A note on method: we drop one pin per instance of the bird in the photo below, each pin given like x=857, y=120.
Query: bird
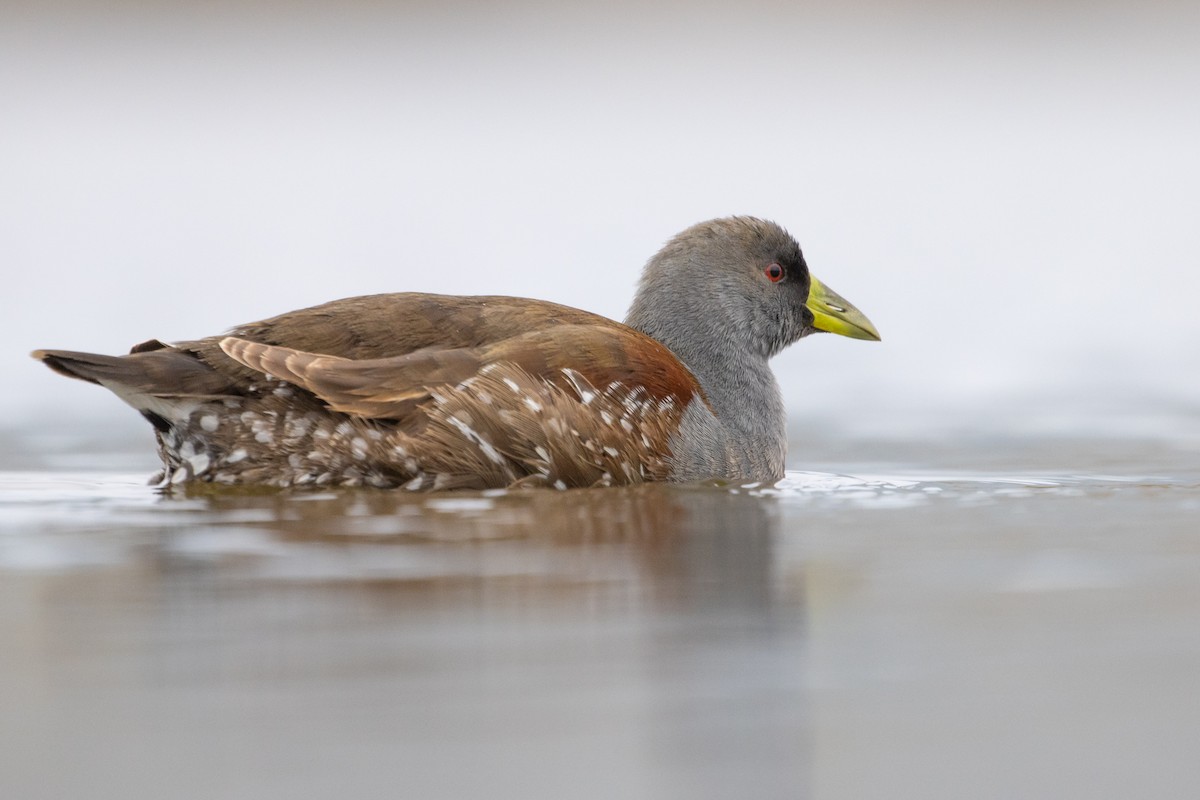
x=436, y=392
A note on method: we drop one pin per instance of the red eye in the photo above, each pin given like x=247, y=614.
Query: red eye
x=774, y=273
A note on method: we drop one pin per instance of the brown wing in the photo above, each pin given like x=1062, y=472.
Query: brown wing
x=369, y=327
x=391, y=388
x=387, y=325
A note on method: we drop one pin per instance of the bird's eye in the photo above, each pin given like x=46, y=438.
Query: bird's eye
x=774, y=273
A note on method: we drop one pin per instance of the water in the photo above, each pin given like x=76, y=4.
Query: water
x=888, y=623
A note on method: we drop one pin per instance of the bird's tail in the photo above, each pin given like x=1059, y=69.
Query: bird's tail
x=90, y=367
x=151, y=369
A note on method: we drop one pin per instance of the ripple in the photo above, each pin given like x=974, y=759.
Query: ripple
x=892, y=490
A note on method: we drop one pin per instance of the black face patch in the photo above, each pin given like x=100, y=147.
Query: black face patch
x=792, y=261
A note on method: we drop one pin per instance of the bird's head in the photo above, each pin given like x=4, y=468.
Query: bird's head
x=738, y=282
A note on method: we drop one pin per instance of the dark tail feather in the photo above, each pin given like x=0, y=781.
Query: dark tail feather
x=159, y=372
x=91, y=367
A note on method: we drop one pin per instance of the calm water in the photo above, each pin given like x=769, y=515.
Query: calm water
x=984, y=619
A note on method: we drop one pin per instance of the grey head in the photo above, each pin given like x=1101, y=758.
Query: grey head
x=707, y=292
x=725, y=296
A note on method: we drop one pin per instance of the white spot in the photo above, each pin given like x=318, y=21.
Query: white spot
x=626, y=424
x=236, y=456
x=484, y=445
x=532, y=404
x=199, y=463
x=210, y=422
x=265, y=436
x=179, y=475
x=558, y=484
x=358, y=447
x=441, y=481
x=344, y=428
x=606, y=417
x=586, y=393
x=283, y=391
x=612, y=451
x=511, y=384
x=541, y=452
x=295, y=427
x=415, y=483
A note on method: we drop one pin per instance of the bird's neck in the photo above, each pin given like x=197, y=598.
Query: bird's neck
x=735, y=376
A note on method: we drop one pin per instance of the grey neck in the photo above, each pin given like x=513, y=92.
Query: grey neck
x=735, y=376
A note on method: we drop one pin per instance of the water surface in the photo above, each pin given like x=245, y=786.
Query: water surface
x=896, y=621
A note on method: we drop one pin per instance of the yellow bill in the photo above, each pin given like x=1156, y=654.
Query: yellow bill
x=835, y=314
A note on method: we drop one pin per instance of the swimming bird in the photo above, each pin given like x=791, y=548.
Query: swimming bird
x=426, y=391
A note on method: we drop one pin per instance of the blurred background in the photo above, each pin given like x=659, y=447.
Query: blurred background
x=1011, y=192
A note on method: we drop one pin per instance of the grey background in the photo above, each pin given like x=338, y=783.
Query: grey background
x=1009, y=193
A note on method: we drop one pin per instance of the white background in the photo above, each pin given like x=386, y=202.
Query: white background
x=1012, y=194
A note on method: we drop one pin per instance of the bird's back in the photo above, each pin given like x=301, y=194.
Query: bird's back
x=323, y=391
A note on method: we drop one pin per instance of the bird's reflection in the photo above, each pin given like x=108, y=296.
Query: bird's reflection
x=650, y=625
x=671, y=593
x=692, y=545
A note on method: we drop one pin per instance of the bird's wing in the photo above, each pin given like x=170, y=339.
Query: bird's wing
x=387, y=325
x=393, y=387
